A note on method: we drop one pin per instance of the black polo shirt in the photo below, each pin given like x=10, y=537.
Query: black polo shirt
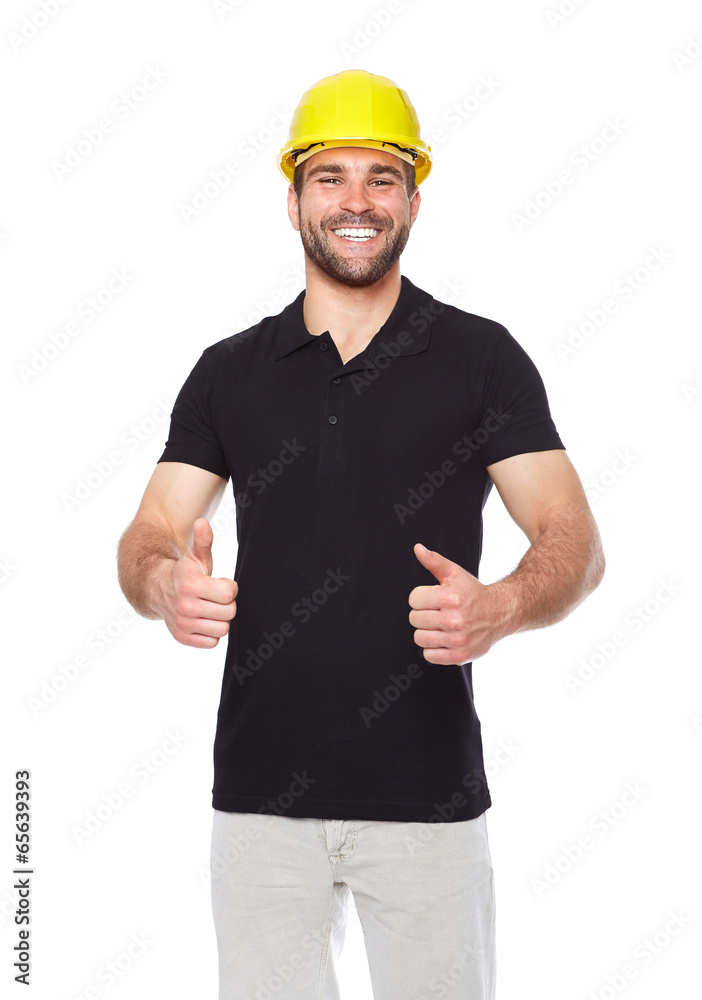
x=328, y=708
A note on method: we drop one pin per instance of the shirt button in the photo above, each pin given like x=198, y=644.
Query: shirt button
x=332, y=419
x=337, y=379
x=323, y=346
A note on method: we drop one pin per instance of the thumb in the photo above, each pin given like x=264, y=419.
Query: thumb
x=438, y=565
x=201, y=548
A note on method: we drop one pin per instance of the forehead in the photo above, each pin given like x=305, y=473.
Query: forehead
x=353, y=159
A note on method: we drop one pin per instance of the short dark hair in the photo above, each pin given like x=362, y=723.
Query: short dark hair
x=409, y=171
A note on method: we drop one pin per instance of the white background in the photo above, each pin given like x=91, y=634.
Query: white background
x=629, y=386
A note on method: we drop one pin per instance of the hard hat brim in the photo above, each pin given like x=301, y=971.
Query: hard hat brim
x=422, y=161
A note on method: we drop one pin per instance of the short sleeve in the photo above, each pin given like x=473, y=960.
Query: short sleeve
x=192, y=437
x=515, y=415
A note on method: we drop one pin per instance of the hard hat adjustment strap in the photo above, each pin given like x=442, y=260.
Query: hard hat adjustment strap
x=294, y=153
x=405, y=149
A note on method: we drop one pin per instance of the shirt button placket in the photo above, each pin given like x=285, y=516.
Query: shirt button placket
x=330, y=431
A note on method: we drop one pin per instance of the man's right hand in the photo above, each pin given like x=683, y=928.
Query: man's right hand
x=196, y=608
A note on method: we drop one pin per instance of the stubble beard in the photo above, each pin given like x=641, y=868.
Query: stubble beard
x=355, y=272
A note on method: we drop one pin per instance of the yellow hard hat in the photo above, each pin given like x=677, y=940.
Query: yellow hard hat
x=355, y=108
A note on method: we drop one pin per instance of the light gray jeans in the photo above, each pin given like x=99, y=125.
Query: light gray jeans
x=423, y=892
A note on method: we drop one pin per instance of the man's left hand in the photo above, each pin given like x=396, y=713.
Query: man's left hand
x=456, y=620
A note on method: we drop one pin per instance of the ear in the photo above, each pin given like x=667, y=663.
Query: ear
x=415, y=202
x=293, y=208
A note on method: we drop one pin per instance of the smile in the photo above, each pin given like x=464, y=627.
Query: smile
x=356, y=235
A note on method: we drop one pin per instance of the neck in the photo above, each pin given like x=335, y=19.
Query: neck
x=352, y=316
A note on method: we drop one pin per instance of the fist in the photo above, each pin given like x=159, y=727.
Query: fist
x=198, y=608
x=455, y=619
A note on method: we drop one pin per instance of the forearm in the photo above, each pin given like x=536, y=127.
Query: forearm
x=143, y=555
x=558, y=571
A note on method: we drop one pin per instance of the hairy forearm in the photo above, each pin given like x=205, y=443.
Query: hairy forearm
x=561, y=567
x=143, y=551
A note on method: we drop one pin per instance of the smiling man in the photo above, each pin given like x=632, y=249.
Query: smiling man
x=377, y=232
x=363, y=429
x=352, y=241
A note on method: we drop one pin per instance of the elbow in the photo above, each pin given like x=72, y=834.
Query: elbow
x=600, y=567
x=590, y=557
x=598, y=563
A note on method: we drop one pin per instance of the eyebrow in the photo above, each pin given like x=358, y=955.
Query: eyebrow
x=338, y=168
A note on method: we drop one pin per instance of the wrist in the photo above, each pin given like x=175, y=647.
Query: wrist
x=161, y=584
x=506, y=611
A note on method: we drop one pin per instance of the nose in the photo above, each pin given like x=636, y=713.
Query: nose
x=356, y=197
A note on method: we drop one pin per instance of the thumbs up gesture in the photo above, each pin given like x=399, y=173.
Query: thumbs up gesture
x=196, y=608
x=456, y=620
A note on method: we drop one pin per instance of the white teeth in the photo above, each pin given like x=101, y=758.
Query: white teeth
x=356, y=233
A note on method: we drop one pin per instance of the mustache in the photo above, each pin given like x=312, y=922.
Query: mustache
x=359, y=225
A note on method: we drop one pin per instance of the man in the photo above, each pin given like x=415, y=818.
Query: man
x=363, y=428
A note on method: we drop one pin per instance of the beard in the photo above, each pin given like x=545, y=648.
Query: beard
x=356, y=272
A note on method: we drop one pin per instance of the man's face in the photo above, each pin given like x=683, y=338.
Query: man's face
x=349, y=188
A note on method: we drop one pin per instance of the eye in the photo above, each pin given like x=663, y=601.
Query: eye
x=325, y=180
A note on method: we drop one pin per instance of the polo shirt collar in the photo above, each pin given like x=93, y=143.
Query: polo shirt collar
x=405, y=318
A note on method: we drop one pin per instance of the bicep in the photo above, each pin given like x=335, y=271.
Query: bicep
x=176, y=495
x=535, y=485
